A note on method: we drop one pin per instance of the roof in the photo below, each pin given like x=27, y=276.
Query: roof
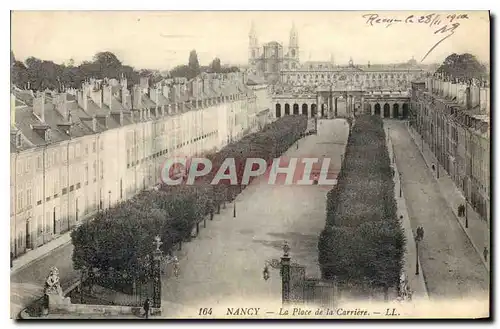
x=254, y=80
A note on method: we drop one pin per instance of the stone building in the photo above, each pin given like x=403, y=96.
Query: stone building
x=323, y=89
x=81, y=151
x=270, y=58
x=453, y=117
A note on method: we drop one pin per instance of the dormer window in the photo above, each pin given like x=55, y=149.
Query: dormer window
x=47, y=135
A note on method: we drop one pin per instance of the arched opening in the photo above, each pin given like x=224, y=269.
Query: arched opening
x=313, y=110
x=405, y=111
x=377, y=109
x=322, y=110
x=278, y=110
x=296, y=109
x=395, y=110
x=287, y=109
x=368, y=108
x=387, y=110
x=304, y=109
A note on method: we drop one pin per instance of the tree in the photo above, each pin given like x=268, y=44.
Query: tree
x=108, y=65
x=193, y=64
x=180, y=71
x=463, y=66
x=215, y=66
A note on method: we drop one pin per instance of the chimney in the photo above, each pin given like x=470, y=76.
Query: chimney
x=468, y=98
x=118, y=117
x=60, y=102
x=108, y=96
x=136, y=97
x=39, y=106
x=12, y=111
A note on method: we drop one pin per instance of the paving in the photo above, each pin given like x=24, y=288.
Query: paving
x=416, y=282
x=477, y=228
x=26, y=284
x=223, y=266
x=451, y=266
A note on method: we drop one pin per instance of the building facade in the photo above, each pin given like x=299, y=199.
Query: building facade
x=270, y=58
x=322, y=89
x=453, y=118
x=81, y=151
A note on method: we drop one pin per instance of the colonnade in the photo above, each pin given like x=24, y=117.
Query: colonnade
x=390, y=109
x=340, y=106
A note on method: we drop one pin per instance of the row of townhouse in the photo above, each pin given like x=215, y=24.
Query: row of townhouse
x=454, y=119
x=81, y=151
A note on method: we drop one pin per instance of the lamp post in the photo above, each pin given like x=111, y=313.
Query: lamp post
x=284, y=266
x=234, y=209
x=400, y=184
x=466, y=189
x=109, y=199
x=419, y=237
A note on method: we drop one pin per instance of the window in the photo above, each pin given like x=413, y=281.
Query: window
x=19, y=140
x=86, y=149
x=86, y=177
x=19, y=200
x=64, y=183
x=28, y=165
x=94, y=169
x=64, y=156
x=94, y=147
x=102, y=169
x=39, y=162
x=102, y=145
x=20, y=167
x=29, y=197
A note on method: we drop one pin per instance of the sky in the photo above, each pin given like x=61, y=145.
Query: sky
x=163, y=39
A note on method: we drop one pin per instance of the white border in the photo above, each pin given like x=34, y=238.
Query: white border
x=180, y=5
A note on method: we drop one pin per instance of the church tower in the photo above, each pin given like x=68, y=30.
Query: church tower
x=253, y=46
x=293, y=45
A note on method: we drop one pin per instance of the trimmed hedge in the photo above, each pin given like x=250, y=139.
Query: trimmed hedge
x=119, y=240
x=363, y=242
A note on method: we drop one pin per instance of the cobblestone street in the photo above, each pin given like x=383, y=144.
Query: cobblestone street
x=451, y=266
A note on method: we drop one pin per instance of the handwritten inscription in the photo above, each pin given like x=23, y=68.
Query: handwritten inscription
x=442, y=24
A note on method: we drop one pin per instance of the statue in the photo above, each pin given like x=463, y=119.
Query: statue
x=52, y=284
x=54, y=298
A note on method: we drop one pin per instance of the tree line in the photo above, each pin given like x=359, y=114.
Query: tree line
x=363, y=243
x=37, y=74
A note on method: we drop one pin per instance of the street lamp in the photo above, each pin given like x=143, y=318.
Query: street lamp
x=234, y=209
x=400, y=184
x=284, y=266
x=419, y=237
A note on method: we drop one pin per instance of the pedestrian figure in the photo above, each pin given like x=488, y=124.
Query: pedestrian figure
x=401, y=217
x=176, y=266
x=485, y=254
x=11, y=259
x=461, y=210
x=433, y=167
x=147, y=304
